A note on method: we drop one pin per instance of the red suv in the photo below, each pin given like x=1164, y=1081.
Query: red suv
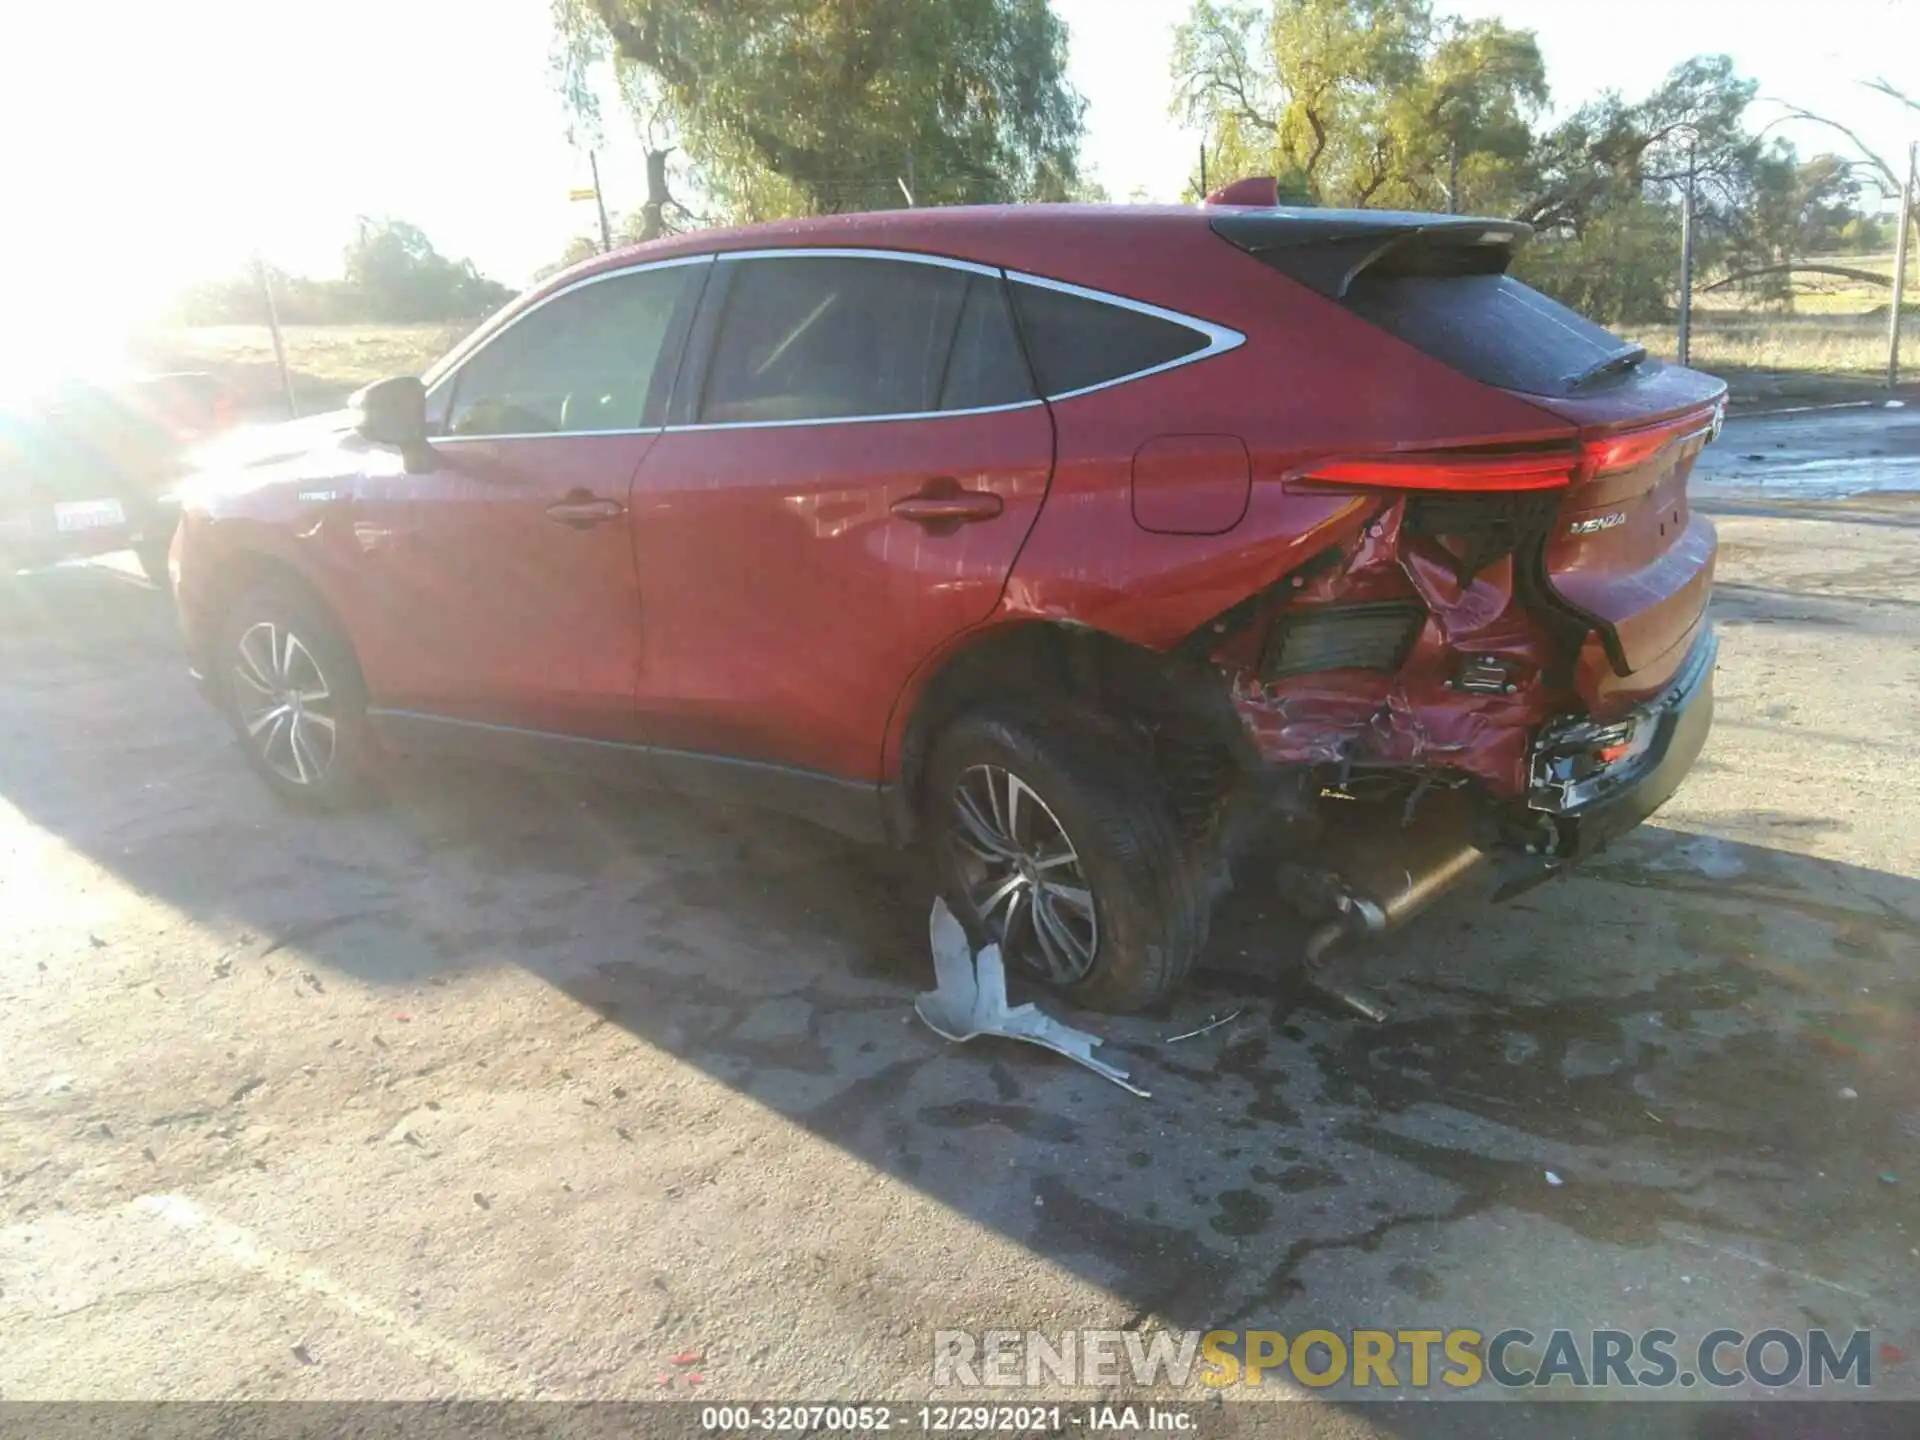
x=1073, y=543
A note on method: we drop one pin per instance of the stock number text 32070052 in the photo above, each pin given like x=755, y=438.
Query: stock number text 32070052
x=912, y=1419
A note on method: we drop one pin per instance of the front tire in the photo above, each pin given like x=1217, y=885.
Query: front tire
x=295, y=698
x=153, y=564
x=1052, y=838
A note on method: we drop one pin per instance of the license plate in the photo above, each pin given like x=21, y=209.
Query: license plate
x=70, y=516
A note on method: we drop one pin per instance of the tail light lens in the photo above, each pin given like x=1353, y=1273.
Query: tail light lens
x=1546, y=468
x=1458, y=471
x=1636, y=447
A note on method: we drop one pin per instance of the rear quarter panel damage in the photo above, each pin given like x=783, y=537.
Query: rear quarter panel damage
x=1311, y=382
x=1410, y=718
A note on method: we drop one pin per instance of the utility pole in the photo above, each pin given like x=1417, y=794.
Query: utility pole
x=599, y=201
x=1203, y=170
x=1900, y=267
x=273, y=327
x=1686, y=258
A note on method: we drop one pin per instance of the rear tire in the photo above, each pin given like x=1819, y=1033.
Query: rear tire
x=1050, y=836
x=294, y=695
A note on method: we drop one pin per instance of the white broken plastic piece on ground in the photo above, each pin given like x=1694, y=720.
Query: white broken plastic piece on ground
x=1211, y=1025
x=970, y=1000
x=1554, y=1180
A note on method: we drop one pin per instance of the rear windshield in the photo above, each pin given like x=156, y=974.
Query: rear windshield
x=1490, y=328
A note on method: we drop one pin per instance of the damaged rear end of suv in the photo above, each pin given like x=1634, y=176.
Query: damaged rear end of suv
x=1403, y=589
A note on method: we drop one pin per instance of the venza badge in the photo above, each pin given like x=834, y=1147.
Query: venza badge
x=1597, y=524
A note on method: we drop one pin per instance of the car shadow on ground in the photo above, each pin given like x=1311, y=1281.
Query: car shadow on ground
x=1646, y=1057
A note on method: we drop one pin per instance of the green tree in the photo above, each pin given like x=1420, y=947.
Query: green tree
x=813, y=106
x=392, y=273
x=398, y=275
x=580, y=247
x=1603, y=192
x=1620, y=266
x=1608, y=149
x=1378, y=103
x=1359, y=102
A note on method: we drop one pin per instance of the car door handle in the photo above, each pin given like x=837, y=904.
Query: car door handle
x=945, y=503
x=583, y=511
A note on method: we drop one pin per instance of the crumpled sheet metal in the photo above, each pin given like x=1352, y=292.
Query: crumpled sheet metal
x=971, y=1000
x=1412, y=718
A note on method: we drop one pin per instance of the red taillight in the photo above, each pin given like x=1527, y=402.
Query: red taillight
x=1548, y=468
x=1636, y=447
x=1432, y=470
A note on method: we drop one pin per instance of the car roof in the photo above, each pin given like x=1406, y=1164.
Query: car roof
x=935, y=230
x=1014, y=235
x=1035, y=239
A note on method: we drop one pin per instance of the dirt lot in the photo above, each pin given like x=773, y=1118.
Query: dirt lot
x=512, y=1089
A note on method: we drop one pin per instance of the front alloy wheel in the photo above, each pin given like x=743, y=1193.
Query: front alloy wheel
x=285, y=704
x=1023, y=875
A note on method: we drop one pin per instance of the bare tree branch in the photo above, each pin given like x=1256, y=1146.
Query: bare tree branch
x=1865, y=277
x=1892, y=92
x=1892, y=185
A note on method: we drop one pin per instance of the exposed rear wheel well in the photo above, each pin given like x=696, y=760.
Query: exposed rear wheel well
x=1175, y=709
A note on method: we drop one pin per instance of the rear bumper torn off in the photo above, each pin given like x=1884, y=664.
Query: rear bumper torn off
x=1592, y=782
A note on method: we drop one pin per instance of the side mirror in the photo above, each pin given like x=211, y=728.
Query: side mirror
x=392, y=412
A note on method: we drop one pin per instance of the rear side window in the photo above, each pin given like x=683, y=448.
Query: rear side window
x=986, y=367
x=841, y=338
x=588, y=360
x=1078, y=342
x=1490, y=328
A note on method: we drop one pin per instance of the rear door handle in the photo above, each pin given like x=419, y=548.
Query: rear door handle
x=944, y=503
x=584, y=511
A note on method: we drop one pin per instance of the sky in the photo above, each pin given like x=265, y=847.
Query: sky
x=148, y=144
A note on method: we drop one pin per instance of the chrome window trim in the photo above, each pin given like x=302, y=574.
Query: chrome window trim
x=848, y=252
x=909, y=257
x=853, y=419
x=1220, y=338
x=438, y=440
x=457, y=360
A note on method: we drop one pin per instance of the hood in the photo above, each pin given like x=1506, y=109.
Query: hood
x=272, y=444
x=313, y=451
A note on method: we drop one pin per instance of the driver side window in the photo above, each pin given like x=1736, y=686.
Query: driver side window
x=587, y=360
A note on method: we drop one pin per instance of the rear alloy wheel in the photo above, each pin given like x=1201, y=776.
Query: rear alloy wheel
x=1052, y=839
x=295, y=698
x=1023, y=876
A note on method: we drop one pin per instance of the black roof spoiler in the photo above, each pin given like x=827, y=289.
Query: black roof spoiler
x=1328, y=249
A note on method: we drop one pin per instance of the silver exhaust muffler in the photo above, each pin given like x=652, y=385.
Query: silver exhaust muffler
x=1384, y=873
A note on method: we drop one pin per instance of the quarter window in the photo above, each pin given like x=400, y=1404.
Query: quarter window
x=591, y=359
x=836, y=337
x=986, y=367
x=1077, y=342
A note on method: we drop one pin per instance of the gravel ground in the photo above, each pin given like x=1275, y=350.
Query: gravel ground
x=511, y=1088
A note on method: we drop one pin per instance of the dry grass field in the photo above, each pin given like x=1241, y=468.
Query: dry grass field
x=328, y=361
x=1835, y=344
x=1837, y=326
